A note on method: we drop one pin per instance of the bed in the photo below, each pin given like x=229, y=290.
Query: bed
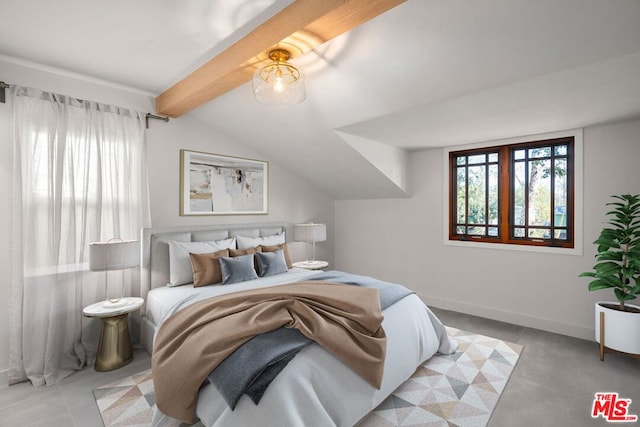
x=315, y=387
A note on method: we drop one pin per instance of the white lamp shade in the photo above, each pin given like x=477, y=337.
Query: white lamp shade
x=114, y=255
x=310, y=232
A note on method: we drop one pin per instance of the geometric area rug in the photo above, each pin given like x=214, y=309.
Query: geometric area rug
x=129, y=402
x=460, y=389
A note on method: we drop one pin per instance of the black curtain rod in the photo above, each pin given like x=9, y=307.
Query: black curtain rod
x=153, y=116
x=3, y=98
x=3, y=86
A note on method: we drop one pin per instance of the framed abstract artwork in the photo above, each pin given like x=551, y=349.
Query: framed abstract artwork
x=211, y=184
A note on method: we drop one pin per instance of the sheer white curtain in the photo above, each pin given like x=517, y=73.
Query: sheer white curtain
x=79, y=176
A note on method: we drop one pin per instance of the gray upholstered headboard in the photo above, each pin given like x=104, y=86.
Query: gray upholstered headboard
x=154, y=270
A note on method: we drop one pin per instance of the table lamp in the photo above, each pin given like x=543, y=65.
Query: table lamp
x=310, y=233
x=116, y=254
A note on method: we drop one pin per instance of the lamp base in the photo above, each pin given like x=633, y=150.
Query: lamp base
x=311, y=265
x=114, y=304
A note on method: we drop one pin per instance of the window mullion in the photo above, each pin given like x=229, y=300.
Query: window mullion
x=570, y=193
x=526, y=194
x=505, y=195
x=453, y=196
x=466, y=197
x=486, y=198
x=552, y=184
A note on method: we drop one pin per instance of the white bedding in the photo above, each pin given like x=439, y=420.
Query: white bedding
x=315, y=389
x=165, y=299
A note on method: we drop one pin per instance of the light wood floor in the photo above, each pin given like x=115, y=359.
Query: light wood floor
x=553, y=384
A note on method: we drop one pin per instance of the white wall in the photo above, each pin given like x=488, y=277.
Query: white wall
x=531, y=289
x=291, y=199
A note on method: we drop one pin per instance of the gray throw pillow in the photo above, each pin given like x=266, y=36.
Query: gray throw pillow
x=270, y=263
x=237, y=269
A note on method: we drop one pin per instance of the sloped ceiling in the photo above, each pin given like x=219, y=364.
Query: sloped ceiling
x=428, y=73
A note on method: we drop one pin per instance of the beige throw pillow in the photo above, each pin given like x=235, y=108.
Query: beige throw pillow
x=240, y=252
x=206, y=268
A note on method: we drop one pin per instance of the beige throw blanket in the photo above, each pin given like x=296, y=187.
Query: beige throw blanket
x=345, y=320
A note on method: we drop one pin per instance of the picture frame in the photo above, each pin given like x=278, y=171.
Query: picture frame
x=214, y=184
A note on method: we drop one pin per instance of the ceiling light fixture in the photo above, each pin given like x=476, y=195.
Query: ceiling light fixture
x=279, y=82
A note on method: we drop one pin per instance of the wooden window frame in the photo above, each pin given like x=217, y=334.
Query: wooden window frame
x=506, y=195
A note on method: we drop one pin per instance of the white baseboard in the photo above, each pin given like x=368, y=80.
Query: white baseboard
x=513, y=318
x=4, y=378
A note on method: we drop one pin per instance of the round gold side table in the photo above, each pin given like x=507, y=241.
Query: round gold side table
x=114, y=347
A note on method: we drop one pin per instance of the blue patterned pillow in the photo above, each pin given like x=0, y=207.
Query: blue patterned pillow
x=237, y=269
x=270, y=263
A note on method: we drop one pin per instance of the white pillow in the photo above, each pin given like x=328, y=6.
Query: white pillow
x=252, y=242
x=180, y=271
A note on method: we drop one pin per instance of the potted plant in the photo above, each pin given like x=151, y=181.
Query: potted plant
x=618, y=268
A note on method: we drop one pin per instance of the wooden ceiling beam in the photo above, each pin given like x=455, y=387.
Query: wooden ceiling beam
x=303, y=25
x=348, y=16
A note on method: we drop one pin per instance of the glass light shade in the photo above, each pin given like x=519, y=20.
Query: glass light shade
x=279, y=82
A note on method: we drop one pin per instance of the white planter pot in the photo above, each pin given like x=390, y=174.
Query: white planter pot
x=621, y=328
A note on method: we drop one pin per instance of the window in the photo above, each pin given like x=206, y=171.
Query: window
x=82, y=177
x=521, y=194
